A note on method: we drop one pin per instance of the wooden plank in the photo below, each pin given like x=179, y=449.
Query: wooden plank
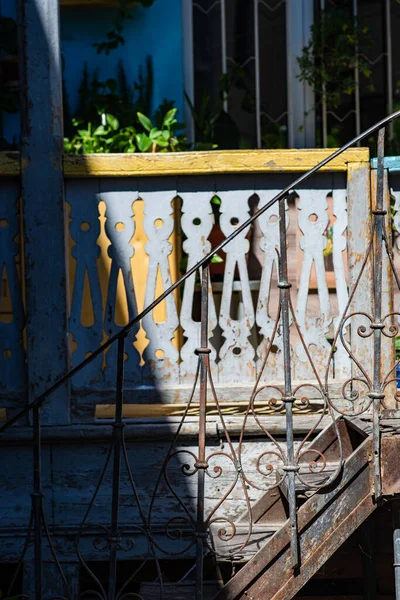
x=3, y=415
x=201, y=163
x=358, y=238
x=137, y=411
x=10, y=165
x=43, y=204
x=324, y=522
x=193, y=163
x=164, y=428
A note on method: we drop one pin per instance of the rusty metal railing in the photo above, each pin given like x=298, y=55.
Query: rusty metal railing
x=192, y=528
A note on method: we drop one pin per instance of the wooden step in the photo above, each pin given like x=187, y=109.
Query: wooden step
x=325, y=521
x=231, y=549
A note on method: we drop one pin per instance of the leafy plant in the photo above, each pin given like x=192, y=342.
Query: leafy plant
x=397, y=347
x=164, y=139
x=109, y=136
x=327, y=63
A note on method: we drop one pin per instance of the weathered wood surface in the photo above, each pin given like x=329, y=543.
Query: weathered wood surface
x=191, y=163
x=324, y=521
x=42, y=185
x=235, y=310
x=12, y=313
x=71, y=472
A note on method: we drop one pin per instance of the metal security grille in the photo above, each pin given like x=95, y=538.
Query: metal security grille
x=247, y=41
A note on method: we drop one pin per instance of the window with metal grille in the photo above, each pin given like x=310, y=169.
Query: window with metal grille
x=246, y=40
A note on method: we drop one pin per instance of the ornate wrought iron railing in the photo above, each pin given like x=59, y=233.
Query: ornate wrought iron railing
x=194, y=528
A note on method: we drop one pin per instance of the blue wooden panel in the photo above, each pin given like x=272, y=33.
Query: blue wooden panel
x=391, y=162
x=12, y=355
x=43, y=205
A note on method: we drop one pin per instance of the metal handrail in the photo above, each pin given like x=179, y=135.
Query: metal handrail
x=203, y=261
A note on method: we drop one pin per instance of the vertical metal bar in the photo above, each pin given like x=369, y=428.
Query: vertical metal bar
x=396, y=544
x=289, y=74
x=188, y=65
x=324, y=108
x=389, y=63
x=37, y=503
x=379, y=215
x=201, y=463
x=284, y=287
x=357, y=78
x=257, y=72
x=223, y=47
x=118, y=425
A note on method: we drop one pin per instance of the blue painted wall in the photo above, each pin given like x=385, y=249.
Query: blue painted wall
x=155, y=31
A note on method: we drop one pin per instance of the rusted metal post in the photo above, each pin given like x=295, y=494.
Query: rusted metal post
x=114, y=538
x=377, y=325
x=37, y=505
x=290, y=467
x=396, y=545
x=201, y=463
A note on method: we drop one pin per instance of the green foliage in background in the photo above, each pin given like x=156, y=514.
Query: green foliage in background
x=327, y=63
x=112, y=117
x=114, y=37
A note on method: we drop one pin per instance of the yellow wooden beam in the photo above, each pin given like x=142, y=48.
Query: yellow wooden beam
x=193, y=163
x=106, y=3
x=202, y=163
x=141, y=411
x=10, y=164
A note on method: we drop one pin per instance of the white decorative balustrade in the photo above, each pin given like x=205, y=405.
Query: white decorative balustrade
x=181, y=223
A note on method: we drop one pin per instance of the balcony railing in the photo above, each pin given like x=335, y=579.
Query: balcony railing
x=297, y=319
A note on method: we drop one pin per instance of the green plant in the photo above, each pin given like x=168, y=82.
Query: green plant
x=397, y=347
x=109, y=136
x=164, y=139
x=328, y=62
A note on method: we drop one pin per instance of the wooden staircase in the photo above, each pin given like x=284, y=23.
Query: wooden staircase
x=325, y=520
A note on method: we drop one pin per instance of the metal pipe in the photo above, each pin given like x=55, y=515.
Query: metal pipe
x=389, y=62
x=377, y=394
x=114, y=538
x=188, y=65
x=201, y=463
x=223, y=48
x=238, y=230
x=257, y=73
x=356, y=78
x=37, y=504
x=324, y=108
x=290, y=467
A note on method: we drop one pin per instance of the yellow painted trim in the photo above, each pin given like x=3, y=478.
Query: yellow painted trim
x=84, y=3
x=141, y=411
x=10, y=164
x=193, y=163
x=203, y=163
